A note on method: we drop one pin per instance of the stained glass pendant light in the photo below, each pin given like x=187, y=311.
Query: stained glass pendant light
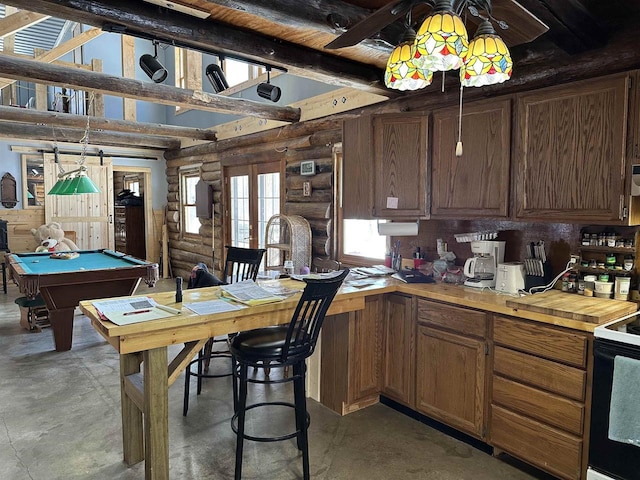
x=401, y=73
x=489, y=61
x=442, y=42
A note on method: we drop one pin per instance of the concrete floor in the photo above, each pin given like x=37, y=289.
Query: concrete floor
x=60, y=419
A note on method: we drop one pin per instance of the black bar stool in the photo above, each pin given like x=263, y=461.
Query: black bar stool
x=240, y=264
x=283, y=346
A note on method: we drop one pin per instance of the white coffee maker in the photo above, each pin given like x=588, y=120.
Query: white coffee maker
x=482, y=267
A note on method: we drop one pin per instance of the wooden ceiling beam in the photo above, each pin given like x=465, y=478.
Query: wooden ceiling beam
x=75, y=135
x=24, y=115
x=143, y=18
x=571, y=27
x=12, y=24
x=38, y=72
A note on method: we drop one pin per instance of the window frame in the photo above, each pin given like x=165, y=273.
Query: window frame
x=338, y=218
x=185, y=173
x=187, y=72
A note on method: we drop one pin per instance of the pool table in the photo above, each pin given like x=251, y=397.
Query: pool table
x=64, y=283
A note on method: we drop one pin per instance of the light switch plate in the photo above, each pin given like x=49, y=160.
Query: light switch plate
x=392, y=203
x=306, y=189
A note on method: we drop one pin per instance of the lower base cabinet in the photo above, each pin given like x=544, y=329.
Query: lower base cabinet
x=451, y=353
x=539, y=395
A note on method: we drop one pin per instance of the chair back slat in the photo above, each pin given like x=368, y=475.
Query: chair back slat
x=242, y=263
x=309, y=314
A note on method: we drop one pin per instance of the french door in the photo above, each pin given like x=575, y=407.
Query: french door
x=253, y=196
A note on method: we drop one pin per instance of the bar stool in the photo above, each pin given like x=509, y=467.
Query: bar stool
x=240, y=264
x=282, y=346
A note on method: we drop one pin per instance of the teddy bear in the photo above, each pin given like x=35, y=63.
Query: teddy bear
x=50, y=238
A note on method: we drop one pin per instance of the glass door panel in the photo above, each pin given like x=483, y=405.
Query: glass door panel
x=240, y=221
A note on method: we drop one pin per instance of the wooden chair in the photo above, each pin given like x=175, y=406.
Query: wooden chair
x=240, y=264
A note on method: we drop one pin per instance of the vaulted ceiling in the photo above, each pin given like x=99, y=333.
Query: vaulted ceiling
x=545, y=36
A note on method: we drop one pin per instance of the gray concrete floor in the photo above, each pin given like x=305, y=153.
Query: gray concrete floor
x=60, y=419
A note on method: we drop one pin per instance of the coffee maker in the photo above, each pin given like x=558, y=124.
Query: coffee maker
x=482, y=267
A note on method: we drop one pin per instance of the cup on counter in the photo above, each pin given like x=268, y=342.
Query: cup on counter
x=387, y=260
x=603, y=289
x=417, y=262
x=623, y=285
x=589, y=285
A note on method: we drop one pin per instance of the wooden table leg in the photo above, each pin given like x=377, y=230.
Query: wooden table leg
x=132, y=435
x=62, y=325
x=156, y=413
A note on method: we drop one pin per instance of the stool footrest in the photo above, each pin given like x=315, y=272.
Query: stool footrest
x=234, y=423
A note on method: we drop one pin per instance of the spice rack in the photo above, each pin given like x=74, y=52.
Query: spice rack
x=604, y=259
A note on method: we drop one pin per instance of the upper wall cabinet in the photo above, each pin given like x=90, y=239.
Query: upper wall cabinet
x=401, y=188
x=569, y=156
x=357, y=168
x=477, y=183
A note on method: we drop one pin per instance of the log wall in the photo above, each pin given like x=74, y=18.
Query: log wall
x=311, y=141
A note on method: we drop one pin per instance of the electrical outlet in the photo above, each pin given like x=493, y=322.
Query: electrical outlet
x=574, y=259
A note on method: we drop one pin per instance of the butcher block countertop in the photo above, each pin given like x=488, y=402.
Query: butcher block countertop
x=554, y=307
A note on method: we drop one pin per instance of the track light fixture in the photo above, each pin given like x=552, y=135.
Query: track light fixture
x=216, y=77
x=152, y=67
x=268, y=91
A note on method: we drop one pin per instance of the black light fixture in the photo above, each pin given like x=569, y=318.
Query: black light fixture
x=216, y=77
x=268, y=91
x=152, y=67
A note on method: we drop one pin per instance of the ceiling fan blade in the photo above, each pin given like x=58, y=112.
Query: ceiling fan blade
x=371, y=24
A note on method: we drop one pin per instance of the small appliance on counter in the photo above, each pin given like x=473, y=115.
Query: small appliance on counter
x=482, y=267
x=510, y=277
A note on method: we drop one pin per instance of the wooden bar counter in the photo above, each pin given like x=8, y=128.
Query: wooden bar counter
x=146, y=372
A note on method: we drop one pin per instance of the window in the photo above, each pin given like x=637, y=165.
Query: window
x=253, y=193
x=358, y=242
x=132, y=183
x=237, y=72
x=190, y=221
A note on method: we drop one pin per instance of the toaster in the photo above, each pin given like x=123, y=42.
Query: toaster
x=510, y=277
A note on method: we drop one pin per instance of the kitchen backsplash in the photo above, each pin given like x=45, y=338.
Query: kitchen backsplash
x=560, y=239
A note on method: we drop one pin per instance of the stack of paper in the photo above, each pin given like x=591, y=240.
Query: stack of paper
x=249, y=293
x=123, y=311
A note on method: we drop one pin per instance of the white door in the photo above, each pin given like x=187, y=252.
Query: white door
x=90, y=215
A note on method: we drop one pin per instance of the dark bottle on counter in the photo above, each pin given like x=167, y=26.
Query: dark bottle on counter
x=178, y=289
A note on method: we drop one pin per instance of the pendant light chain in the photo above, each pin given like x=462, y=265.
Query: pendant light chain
x=85, y=137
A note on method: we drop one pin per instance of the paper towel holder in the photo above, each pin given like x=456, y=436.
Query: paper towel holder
x=398, y=229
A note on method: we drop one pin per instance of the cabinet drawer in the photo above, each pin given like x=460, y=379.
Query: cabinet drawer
x=551, y=376
x=546, y=407
x=463, y=320
x=548, y=342
x=548, y=448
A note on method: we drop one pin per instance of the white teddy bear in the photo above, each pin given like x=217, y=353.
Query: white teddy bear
x=51, y=238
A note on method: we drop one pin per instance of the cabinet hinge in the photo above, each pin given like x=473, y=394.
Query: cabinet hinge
x=484, y=432
x=486, y=349
x=622, y=212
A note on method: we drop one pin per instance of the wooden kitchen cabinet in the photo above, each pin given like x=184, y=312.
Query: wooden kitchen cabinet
x=401, y=183
x=357, y=168
x=398, y=358
x=569, y=154
x=350, y=358
x=539, y=395
x=451, y=353
x=477, y=183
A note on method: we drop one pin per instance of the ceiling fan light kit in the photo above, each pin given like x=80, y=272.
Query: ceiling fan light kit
x=441, y=44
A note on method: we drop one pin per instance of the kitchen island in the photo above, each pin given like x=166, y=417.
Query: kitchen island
x=370, y=347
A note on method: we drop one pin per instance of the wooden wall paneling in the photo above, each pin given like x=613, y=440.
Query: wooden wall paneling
x=19, y=225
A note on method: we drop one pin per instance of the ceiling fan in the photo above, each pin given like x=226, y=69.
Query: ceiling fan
x=527, y=26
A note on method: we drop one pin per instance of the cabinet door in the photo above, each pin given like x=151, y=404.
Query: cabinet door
x=357, y=169
x=398, y=354
x=450, y=381
x=364, y=350
x=400, y=157
x=477, y=183
x=570, y=152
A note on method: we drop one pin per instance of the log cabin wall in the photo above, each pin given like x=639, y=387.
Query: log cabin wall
x=291, y=145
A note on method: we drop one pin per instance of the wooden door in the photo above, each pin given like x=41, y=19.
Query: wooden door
x=398, y=352
x=477, y=183
x=89, y=215
x=570, y=161
x=450, y=380
x=400, y=159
